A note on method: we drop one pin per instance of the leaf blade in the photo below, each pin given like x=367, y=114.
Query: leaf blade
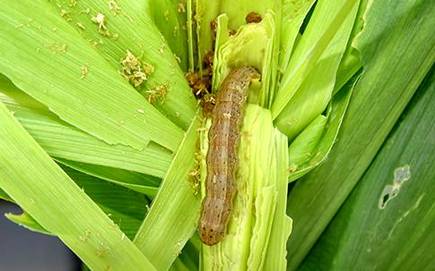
x=38, y=185
x=100, y=103
x=385, y=81
x=373, y=228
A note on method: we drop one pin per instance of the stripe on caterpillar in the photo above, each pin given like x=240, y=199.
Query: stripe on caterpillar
x=224, y=137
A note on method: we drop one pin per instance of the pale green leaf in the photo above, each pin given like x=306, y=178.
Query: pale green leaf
x=4, y=196
x=63, y=141
x=302, y=148
x=253, y=45
x=351, y=61
x=293, y=14
x=320, y=152
x=129, y=25
x=26, y=221
x=207, y=11
x=99, y=101
x=315, y=40
x=191, y=41
x=42, y=189
x=124, y=207
x=170, y=17
x=138, y=182
x=174, y=213
x=315, y=93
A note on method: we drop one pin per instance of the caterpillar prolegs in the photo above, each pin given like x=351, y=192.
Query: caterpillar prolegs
x=222, y=162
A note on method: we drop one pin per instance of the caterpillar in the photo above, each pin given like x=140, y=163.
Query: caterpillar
x=222, y=162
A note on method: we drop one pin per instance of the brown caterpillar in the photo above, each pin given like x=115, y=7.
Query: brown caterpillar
x=224, y=134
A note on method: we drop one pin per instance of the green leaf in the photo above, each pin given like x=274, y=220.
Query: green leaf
x=293, y=14
x=351, y=61
x=253, y=45
x=316, y=39
x=4, y=196
x=191, y=38
x=170, y=17
x=389, y=217
x=302, y=148
x=42, y=189
x=101, y=103
x=185, y=261
x=174, y=213
x=315, y=93
x=124, y=207
x=63, y=141
x=207, y=11
x=138, y=182
x=396, y=46
x=316, y=152
x=26, y=221
x=129, y=26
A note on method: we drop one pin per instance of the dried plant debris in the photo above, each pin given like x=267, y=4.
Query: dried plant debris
x=253, y=17
x=84, y=71
x=80, y=26
x=57, y=48
x=66, y=15
x=157, y=93
x=181, y=7
x=135, y=70
x=201, y=84
x=213, y=28
x=207, y=103
x=208, y=61
x=114, y=7
x=100, y=20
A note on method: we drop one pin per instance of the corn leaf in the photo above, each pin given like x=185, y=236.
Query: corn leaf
x=207, y=11
x=99, y=101
x=138, y=182
x=351, y=61
x=26, y=221
x=115, y=27
x=124, y=207
x=253, y=45
x=302, y=148
x=275, y=258
x=391, y=40
x=315, y=93
x=174, y=213
x=191, y=38
x=170, y=17
x=188, y=259
x=306, y=152
x=311, y=48
x=293, y=15
x=390, y=216
x=4, y=196
x=66, y=142
x=41, y=188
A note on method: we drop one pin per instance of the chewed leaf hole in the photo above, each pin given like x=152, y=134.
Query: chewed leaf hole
x=401, y=175
x=386, y=196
